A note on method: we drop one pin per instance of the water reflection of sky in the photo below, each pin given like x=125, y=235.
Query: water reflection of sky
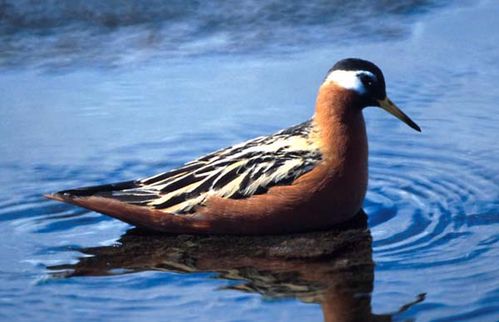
x=188, y=79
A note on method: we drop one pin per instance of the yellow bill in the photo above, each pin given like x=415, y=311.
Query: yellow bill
x=391, y=108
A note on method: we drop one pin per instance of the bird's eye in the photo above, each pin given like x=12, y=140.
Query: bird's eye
x=367, y=81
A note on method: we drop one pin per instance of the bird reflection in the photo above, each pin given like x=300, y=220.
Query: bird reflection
x=333, y=268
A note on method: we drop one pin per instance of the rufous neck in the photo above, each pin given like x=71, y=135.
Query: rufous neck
x=338, y=118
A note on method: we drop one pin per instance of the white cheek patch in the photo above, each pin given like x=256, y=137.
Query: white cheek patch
x=349, y=79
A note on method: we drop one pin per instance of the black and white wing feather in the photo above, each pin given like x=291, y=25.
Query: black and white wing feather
x=239, y=171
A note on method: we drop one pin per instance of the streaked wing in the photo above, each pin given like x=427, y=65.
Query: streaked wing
x=235, y=172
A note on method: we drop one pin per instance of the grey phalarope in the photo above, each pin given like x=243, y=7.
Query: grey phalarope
x=307, y=177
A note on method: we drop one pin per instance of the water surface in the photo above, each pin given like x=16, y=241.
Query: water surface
x=93, y=93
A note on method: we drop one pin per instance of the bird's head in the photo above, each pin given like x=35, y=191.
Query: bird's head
x=365, y=80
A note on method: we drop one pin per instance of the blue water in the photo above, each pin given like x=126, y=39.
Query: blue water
x=94, y=92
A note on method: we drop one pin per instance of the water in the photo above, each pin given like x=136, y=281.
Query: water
x=94, y=93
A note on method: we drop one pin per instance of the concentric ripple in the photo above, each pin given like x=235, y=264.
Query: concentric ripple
x=422, y=202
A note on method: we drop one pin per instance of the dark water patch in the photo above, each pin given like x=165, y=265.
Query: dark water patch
x=483, y=219
x=100, y=34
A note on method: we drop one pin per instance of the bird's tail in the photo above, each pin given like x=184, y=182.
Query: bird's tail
x=112, y=200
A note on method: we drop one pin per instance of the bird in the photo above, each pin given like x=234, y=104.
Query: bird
x=311, y=176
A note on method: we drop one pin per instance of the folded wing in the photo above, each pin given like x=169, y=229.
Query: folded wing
x=236, y=172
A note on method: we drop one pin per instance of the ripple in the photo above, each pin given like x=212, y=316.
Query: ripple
x=421, y=203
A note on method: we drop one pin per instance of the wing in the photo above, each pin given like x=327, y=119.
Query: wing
x=236, y=172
